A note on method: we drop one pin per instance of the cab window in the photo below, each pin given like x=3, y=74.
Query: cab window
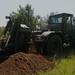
x=55, y=19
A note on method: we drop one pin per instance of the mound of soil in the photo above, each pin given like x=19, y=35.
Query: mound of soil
x=25, y=64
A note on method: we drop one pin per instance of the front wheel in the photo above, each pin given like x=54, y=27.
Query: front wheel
x=54, y=45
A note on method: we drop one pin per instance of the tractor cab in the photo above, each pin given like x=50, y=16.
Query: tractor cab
x=63, y=22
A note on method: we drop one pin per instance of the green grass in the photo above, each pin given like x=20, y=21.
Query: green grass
x=64, y=66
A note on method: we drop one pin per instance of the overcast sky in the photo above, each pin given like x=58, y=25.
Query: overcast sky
x=41, y=7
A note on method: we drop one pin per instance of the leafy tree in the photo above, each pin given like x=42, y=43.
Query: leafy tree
x=24, y=15
x=42, y=22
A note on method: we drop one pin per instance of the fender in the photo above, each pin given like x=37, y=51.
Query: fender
x=45, y=35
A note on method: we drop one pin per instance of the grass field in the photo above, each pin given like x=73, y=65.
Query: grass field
x=65, y=65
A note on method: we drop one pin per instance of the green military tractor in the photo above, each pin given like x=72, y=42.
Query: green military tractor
x=61, y=30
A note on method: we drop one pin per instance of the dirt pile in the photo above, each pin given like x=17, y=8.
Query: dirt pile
x=24, y=64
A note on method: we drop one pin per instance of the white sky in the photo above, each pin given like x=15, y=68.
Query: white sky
x=41, y=7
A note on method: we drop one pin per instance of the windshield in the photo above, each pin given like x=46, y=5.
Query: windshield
x=55, y=19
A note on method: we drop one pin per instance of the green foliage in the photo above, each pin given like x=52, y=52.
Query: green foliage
x=64, y=66
x=25, y=15
x=43, y=21
x=1, y=31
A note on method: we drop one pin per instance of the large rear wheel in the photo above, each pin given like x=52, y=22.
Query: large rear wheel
x=54, y=45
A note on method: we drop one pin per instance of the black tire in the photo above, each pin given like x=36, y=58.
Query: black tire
x=54, y=45
x=44, y=51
